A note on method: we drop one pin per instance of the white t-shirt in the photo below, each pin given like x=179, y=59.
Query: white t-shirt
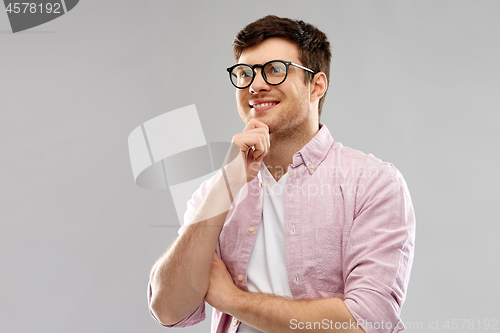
x=267, y=263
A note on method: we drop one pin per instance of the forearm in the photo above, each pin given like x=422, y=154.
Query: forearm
x=179, y=279
x=269, y=313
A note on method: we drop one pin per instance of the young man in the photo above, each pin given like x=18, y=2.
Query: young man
x=316, y=236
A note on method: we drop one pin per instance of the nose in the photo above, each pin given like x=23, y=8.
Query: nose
x=259, y=84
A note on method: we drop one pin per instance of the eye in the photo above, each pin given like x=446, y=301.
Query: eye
x=242, y=72
x=275, y=69
x=278, y=69
x=246, y=74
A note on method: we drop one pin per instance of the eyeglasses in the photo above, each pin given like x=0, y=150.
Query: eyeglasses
x=274, y=73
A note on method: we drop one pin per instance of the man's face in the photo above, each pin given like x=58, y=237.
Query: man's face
x=284, y=108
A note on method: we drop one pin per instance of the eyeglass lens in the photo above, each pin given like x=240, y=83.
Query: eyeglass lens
x=274, y=73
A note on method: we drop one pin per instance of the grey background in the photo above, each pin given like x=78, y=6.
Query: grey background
x=415, y=83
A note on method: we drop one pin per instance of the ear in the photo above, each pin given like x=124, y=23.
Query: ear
x=318, y=86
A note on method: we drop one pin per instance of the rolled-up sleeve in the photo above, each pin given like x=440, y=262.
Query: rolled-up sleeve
x=379, y=251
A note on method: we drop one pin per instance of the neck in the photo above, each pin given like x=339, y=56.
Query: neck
x=283, y=147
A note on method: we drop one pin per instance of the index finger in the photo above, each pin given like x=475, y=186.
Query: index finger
x=254, y=123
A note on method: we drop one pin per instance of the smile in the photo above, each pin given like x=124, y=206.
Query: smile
x=262, y=105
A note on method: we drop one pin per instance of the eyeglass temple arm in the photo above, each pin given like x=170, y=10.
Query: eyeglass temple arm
x=304, y=68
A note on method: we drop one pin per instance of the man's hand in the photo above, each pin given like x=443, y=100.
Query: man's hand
x=270, y=313
x=221, y=288
x=254, y=144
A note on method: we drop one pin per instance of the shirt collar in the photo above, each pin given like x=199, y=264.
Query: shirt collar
x=315, y=151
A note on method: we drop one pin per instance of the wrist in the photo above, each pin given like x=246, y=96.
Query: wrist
x=234, y=304
x=234, y=180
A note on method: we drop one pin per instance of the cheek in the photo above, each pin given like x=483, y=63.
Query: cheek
x=245, y=118
x=240, y=97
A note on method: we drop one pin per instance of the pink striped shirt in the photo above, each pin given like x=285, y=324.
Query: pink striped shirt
x=349, y=231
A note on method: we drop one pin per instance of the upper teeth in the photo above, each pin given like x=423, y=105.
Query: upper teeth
x=263, y=105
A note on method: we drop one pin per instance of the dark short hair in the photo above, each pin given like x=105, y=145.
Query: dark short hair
x=313, y=45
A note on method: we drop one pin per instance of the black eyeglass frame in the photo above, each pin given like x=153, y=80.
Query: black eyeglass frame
x=286, y=63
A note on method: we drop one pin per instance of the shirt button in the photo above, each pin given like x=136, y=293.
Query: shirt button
x=240, y=277
x=235, y=322
x=260, y=184
x=251, y=229
x=311, y=166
